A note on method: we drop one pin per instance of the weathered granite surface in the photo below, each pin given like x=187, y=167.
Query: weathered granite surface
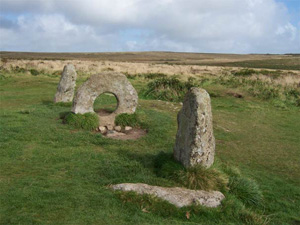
x=106, y=82
x=195, y=142
x=66, y=86
x=179, y=197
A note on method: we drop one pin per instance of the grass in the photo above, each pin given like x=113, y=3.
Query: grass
x=126, y=119
x=244, y=72
x=290, y=63
x=192, y=178
x=51, y=173
x=172, y=89
x=284, y=62
x=106, y=101
x=87, y=121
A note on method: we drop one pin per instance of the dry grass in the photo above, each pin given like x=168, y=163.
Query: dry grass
x=88, y=67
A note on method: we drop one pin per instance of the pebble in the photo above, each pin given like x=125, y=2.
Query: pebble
x=110, y=127
x=128, y=128
x=118, y=128
x=102, y=130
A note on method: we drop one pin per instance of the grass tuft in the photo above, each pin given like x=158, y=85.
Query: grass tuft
x=87, y=121
x=198, y=177
x=126, y=119
x=246, y=190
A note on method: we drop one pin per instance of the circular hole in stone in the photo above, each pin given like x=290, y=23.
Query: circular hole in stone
x=105, y=104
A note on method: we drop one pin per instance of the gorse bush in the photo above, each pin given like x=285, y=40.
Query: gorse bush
x=153, y=75
x=126, y=119
x=270, y=73
x=34, y=72
x=263, y=90
x=87, y=121
x=18, y=69
x=167, y=89
x=244, y=72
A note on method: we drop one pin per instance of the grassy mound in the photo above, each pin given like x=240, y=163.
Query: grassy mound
x=87, y=121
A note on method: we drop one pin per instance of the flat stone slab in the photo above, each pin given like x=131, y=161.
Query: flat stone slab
x=180, y=197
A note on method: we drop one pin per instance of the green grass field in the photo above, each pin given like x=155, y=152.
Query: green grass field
x=51, y=173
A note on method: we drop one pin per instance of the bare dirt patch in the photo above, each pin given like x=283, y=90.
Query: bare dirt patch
x=133, y=134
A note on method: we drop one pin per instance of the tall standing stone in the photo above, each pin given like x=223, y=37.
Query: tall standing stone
x=66, y=86
x=195, y=142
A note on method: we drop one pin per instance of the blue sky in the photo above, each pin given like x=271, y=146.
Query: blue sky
x=215, y=26
x=294, y=10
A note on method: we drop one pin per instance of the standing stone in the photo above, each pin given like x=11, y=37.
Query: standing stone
x=195, y=142
x=66, y=86
x=106, y=82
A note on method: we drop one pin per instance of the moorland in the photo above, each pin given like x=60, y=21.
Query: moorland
x=54, y=173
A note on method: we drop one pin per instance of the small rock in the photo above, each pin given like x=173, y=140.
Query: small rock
x=118, y=128
x=128, y=128
x=110, y=127
x=102, y=130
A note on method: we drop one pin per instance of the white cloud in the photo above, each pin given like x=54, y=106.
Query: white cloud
x=237, y=26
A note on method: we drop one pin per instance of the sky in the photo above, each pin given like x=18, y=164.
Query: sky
x=206, y=26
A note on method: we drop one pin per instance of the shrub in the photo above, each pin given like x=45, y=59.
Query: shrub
x=154, y=75
x=18, y=69
x=168, y=89
x=34, y=72
x=273, y=74
x=87, y=121
x=126, y=119
x=4, y=60
x=129, y=76
x=244, y=72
